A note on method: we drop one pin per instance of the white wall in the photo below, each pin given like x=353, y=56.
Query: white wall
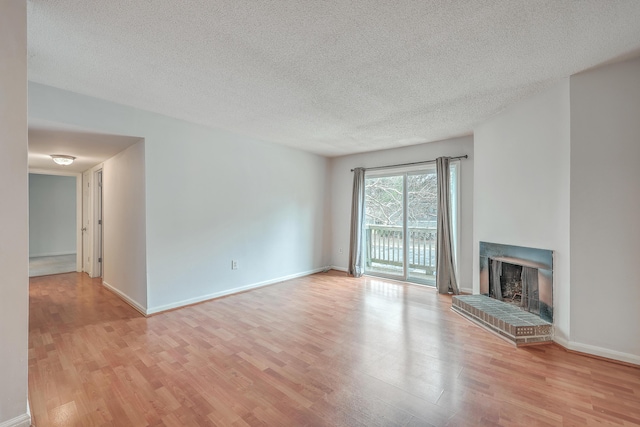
x=342, y=183
x=237, y=199
x=14, y=238
x=605, y=210
x=522, y=186
x=124, y=213
x=52, y=215
x=211, y=197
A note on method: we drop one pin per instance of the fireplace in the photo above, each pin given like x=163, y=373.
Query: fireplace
x=519, y=276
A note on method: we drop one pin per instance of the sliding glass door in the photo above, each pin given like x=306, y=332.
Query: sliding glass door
x=400, y=224
x=384, y=225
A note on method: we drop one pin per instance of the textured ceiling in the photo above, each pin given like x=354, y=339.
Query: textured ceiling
x=89, y=148
x=327, y=77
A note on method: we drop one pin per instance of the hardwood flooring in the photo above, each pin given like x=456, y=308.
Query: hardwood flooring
x=323, y=350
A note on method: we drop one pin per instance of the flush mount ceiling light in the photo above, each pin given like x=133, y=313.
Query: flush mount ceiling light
x=62, y=159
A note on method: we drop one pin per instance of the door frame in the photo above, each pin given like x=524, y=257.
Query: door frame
x=86, y=224
x=95, y=267
x=78, y=176
x=97, y=221
x=405, y=171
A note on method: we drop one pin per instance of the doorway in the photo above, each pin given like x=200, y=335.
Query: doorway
x=54, y=217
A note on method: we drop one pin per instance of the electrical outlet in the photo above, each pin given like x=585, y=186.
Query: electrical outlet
x=340, y=250
x=234, y=265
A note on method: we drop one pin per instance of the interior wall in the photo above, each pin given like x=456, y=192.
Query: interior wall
x=605, y=208
x=211, y=197
x=522, y=185
x=342, y=184
x=14, y=190
x=124, y=231
x=256, y=203
x=52, y=215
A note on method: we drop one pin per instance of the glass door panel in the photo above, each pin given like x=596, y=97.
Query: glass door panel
x=400, y=233
x=422, y=213
x=384, y=225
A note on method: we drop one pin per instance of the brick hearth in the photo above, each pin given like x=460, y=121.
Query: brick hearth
x=515, y=325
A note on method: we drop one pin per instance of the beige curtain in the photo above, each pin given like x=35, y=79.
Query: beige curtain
x=445, y=274
x=356, y=264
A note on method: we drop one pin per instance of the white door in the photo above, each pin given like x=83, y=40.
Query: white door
x=86, y=222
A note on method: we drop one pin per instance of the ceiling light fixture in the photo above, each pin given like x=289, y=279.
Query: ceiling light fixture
x=62, y=159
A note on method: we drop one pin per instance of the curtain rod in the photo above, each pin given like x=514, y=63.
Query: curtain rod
x=411, y=164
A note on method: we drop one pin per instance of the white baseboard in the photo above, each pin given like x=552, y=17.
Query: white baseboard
x=232, y=291
x=598, y=351
x=335, y=267
x=50, y=254
x=133, y=303
x=563, y=342
x=23, y=420
x=466, y=291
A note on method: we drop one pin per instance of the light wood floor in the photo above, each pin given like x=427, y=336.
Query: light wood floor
x=324, y=350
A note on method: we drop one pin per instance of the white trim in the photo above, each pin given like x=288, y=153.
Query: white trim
x=467, y=290
x=86, y=222
x=89, y=251
x=214, y=295
x=335, y=267
x=563, y=342
x=598, y=351
x=79, y=223
x=23, y=420
x=126, y=298
x=97, y=245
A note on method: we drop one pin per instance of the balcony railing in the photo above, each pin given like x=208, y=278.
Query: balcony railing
x=385, y=248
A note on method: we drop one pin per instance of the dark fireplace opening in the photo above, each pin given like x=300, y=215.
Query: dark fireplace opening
x=514, y=284
x=511, y=283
